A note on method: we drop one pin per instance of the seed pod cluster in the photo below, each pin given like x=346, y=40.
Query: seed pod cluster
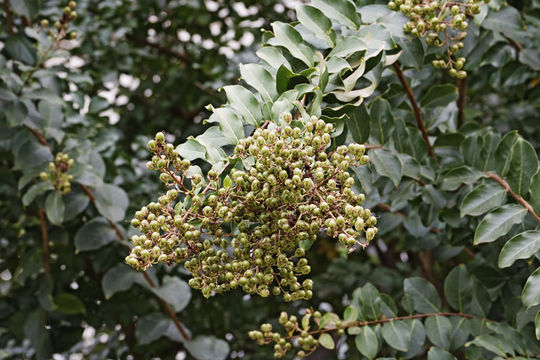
x=249, y=230
x=441, y=24
x=58, y=174
x=62, y=24
x=298, y=334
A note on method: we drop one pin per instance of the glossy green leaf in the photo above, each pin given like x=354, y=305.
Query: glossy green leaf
x=397, y=334
x=367, y=343
x=288, y=37
x=435, y=353
x=457, y=286
x=151, y=327
x=327, y=341
x=69, y=304
x=531, y=290
x=315, y=20
x=54, y=207
x=498, y=223
x=191, y=150
x=260, y=79
x=34, y=191
x=423, y=293
x=439, y=95
x=453, y=179
x=245, y=103
x=343, y=11
x=359, y=124
x=482, y=199
x=111, y=201
x=174, y=291
x=412, y=52
x=521, y=246
x=523, y=165
x=369, y=306
x=208, y=348
x=119, y=278
x=503, y=152
x=534, y=192
x=387, y=164
x=439, y=330
x=94, y=234
x=381, y=120
x=229, y=123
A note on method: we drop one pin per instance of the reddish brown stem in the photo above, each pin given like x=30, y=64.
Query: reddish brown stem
x=385, y=320
x=150, y=282
x=514, y=43
x=462, y=91
x=45, y=239
x=9, y=21
x=415, y=107
x=518, y=198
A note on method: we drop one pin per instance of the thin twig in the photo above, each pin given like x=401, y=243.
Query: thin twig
x=415, y=107
x=518, y=198
x=150, y=282
x=385, y=320
x=462, y=91
x=45, y=238
x=514, y=43
x=9, y=21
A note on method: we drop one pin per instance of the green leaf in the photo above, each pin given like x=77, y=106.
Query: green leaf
x=328, y=320
x=506, y=21
x=482, y=199
x=287, y=37
x=343, y=11
x=111, y=201
x=45, y=95
x=327, y=341
x=69, y=304
x=350, y=313
x=229, y=123
x=498, y=223
x=534, y=192
x=435, y=353
x=191, y=150
x=20, y=48
x=537, y=325
x=359, y=124
x=457, y=287
x=412, y=52
x=453, y=179
x=521, y=246
x=397, y=334
x=387, y=164
x=439, y=95
x=152, y=326
x=119, y=278
x=315, y=20
x=245, y=103
x=208, y=348
x=16, y=112
x=27, y=8
x=260, y=79
x=490, y=343
x=523, y=166
x=94, y=234
x=439, y=330
x=37, y=334
x=367, y=343
x=531, y=290
x=54, y=207
x=34, y=191
x=76, y=202
x=174, y=291
x=382, y=121
x=368, y=300
x=423, y=293
x=503, y=153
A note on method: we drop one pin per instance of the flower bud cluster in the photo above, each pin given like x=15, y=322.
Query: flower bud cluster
x=58, y=174
x=250, y=230
x=441, y=23
x=298, y=334
x=62, y=24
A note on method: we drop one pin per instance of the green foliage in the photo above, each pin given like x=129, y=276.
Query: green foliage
x=454, y=179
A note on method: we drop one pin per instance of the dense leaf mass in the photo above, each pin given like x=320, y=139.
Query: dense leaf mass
x=251, y=231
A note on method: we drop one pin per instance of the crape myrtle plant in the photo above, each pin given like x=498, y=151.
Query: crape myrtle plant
x=351, y=199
